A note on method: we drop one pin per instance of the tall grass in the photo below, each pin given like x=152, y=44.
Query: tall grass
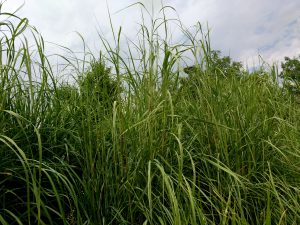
x=145, y=145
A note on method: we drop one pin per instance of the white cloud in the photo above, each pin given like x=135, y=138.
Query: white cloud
x=239, y=28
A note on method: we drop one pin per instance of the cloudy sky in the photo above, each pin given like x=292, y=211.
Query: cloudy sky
x=239, y=28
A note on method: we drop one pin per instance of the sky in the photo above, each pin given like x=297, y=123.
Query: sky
x=239, y=28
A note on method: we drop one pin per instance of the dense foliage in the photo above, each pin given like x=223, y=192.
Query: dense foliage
x=291, y=68
x=291, y=73
x=143, y=145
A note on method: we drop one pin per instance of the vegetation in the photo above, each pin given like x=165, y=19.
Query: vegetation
x=138, y=144
x=220, y=66
x=291, y=73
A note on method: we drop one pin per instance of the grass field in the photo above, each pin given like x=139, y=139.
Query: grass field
x=140, y=144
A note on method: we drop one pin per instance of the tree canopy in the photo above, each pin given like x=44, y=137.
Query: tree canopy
x=291, y=72
x=219, y=65
x=291, y=68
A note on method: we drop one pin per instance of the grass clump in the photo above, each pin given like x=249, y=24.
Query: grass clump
x=144, y=145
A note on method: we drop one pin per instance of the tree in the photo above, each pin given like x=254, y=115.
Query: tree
x=291, y=68
x=291, y=73
x=218, y=65
x=213, y=66
x=224, y=65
